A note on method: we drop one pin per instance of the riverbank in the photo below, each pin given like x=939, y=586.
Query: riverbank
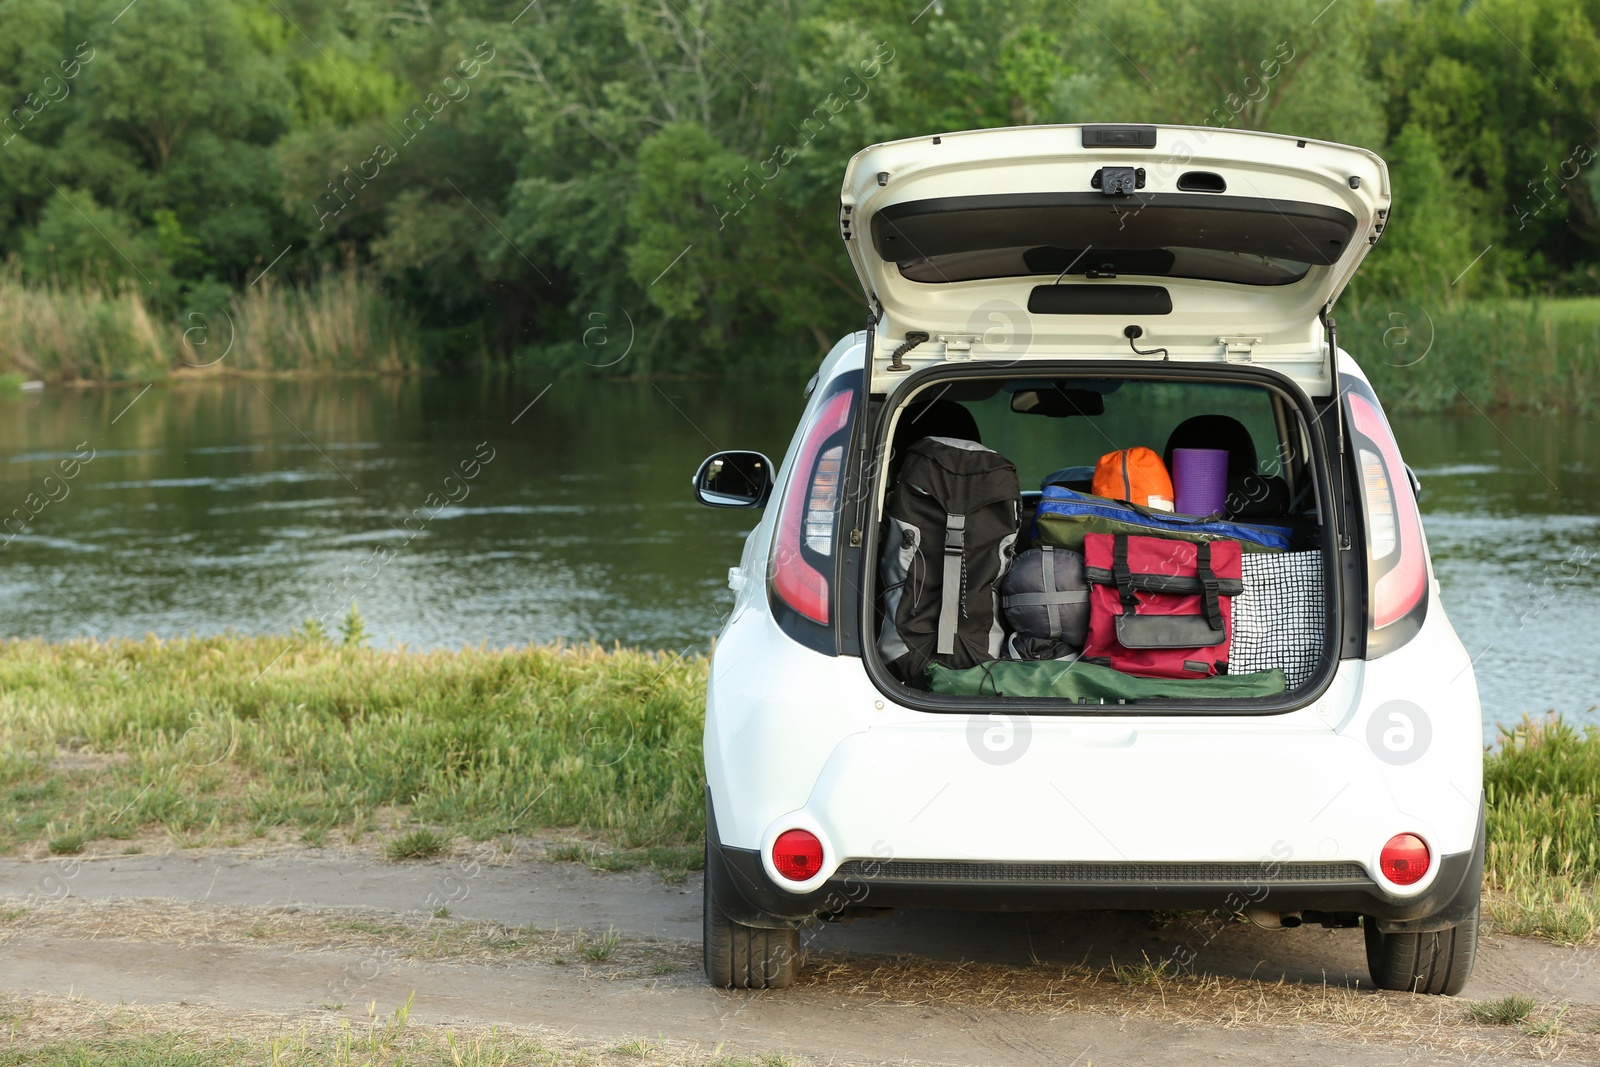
x=1427, y=356
x=88, y=334
x=223, y=741
x=1422, y=356
x=228, y=740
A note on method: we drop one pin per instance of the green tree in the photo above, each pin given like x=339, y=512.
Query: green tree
x=1431, y=237
x=1508, y=92
x=678, y=161
x=1290, y=66
x=76, y=240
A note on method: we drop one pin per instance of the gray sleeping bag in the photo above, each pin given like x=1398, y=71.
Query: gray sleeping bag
x=1045, y=598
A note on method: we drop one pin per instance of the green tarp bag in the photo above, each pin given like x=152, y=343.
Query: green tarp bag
x=1076, y=680
x=1063, y=517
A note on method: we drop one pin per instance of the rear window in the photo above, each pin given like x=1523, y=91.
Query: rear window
x=1246, y=240
x=1136, y=413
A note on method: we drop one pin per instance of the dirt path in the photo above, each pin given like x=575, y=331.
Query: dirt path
x=296, y=933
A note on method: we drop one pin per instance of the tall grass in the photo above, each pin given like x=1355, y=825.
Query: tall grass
x=1543, y=787
x=1429, y=355
x=81, y=333
x=343, y=323
x=1423, y=354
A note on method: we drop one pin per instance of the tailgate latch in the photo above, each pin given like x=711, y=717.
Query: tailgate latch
x=1118, y=181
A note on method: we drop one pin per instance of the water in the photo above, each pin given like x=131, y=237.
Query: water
x=1512, y=511
x=253, y=505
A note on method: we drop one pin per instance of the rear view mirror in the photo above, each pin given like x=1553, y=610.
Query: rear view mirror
x=734, y=480
x=1058, y=403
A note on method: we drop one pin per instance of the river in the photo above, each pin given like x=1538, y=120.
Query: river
x=252, y=505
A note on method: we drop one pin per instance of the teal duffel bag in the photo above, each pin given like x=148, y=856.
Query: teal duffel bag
x=1076, y=680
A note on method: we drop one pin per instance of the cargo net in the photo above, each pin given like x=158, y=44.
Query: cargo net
x=1278, y=620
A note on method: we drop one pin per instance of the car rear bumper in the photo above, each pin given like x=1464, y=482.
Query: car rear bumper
x=750, y=896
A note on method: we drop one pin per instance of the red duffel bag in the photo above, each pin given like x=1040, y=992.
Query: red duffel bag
x=1161, y=608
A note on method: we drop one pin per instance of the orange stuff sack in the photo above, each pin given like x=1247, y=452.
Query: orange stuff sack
x=1136, y=475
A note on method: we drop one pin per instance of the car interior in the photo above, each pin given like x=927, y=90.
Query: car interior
x=1056, y=429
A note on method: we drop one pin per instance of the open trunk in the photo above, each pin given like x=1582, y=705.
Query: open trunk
x=1077, y=290
x=1054, y=422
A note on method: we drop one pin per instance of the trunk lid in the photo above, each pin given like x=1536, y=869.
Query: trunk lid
x=1050, y=242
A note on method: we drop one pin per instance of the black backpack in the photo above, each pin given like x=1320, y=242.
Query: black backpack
x=950, y=528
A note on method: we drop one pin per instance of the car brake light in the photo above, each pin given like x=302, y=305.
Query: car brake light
x=1397, y=570
x=809, y=520
x=1404, y=860
x=797, y=854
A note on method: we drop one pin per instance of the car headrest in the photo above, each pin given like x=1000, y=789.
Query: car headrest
x=1258, y=496
x=1250, y=495
x=1215, y=431
x=934, y=418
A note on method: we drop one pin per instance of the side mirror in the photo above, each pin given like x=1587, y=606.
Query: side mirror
x=734, y=480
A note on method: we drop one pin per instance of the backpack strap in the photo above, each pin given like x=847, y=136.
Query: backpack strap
x=1209, y=584
x=1122, y=575
x=955, y=546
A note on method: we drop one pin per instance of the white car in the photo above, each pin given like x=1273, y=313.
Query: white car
x=1154, y=273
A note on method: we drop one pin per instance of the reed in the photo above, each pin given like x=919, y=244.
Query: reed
x=344, y=323
x=1431, y=356
x=1423, y=355
x=73, y=334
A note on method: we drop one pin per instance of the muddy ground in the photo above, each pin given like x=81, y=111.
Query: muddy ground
x=555, y=948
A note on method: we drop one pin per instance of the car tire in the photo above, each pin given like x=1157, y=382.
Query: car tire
x=1438, y=962
x=746, y=957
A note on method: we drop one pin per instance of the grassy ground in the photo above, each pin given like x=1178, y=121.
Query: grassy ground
x=123, y=1036
x=221, y=740
x=58, y=1029
x=343, y=324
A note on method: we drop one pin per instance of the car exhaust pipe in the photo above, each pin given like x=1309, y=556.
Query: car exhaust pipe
x=1274, y=920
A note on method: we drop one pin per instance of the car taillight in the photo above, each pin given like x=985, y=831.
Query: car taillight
x=797, y=854
x=1397, y=570
x=822, y=502
x=808, y=522
x=1404, y=860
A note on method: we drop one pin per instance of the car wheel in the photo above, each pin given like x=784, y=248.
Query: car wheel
x=1438, y=962
x=746, y=957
